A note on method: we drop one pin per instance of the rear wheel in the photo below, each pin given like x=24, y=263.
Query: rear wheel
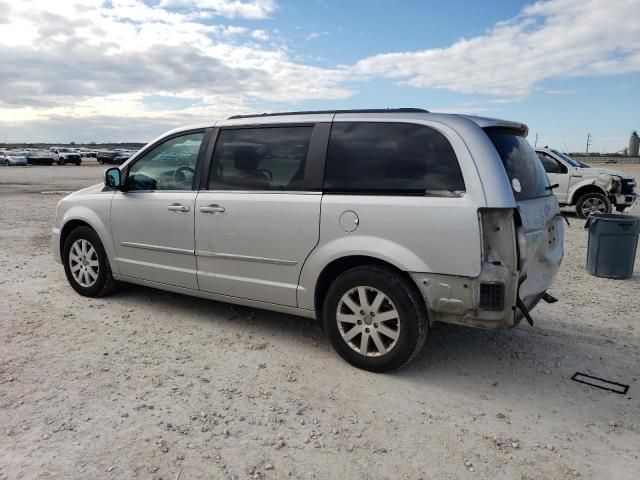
x=86, y=264
x=78, y=163
x=591, y=203
x=375, y=318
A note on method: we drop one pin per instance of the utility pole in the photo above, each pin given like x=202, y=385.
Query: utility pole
x=588, y=142
x=535, y=144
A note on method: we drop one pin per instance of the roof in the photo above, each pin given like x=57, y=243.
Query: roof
x=314, y=112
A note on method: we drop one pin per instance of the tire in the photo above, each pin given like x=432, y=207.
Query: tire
x=87, y=285
x=78, y=163
x=592, y=203
x=61, y=162
x=408, y=324
x=7, y=163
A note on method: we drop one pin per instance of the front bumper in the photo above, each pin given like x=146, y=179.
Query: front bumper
x=625, y=200
x=55, y=244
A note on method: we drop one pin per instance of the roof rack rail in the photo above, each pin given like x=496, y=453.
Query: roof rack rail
x=312, y=112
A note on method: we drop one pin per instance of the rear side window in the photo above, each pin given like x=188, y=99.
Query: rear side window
x=271, y=158
x=524, y=169
x=393, y=158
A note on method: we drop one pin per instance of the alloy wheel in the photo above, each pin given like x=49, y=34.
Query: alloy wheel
x=593, y=205
x=368, y=321
x=84, y=264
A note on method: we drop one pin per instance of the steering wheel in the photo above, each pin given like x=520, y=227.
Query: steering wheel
x=266, y=173
x=177, y=179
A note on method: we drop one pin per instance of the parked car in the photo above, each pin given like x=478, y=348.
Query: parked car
x=13, y=157
x=114, y=156
x=377, y=222
x=39, y=157
x=589, y=189
x=64, y=156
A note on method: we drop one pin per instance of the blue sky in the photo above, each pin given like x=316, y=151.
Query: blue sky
x=129, y=69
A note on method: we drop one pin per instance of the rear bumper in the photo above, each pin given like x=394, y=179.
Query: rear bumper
x=453, y=299
x=463, y=300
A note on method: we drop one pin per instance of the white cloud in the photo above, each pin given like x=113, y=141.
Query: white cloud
x=94, y=58
x=314, y=35
x=549, y=39
x=561, y=92
x=100, y=60
x=252, y=9
x=260, y=35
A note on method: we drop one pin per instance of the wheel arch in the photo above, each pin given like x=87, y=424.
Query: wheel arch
x=336, y=267
x=80, y=216
x=584, y=189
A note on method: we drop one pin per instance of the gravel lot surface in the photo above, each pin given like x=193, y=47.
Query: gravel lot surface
x=147, y=384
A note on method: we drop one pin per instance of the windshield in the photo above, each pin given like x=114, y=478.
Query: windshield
x=64, y=150
x=569, y=160
x=524, y=169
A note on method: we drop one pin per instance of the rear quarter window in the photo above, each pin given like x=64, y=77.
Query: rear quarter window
x=524, y=169
x=391, y=158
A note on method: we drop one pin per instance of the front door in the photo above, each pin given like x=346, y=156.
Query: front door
x=153, y=220
x=255, y=223
x=558, y=175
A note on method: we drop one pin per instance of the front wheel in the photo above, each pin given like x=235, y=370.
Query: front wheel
x=375, y=318
x=86, y=264
x=591, y=203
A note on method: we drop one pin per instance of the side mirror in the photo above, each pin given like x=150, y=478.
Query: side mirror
x=113, y=178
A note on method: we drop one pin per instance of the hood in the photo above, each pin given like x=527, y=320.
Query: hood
x=97, y=188
x=604, y=171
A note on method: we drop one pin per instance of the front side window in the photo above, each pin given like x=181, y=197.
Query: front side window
x=269, y=158
x=168, y=166
x=392, y=158
x=550, y=165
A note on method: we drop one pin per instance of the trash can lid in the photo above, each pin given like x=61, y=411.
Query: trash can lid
x=610, y=217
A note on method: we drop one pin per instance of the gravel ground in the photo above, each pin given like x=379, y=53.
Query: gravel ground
x=148, y=384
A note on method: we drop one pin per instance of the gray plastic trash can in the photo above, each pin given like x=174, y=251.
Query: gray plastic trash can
x=613, y=240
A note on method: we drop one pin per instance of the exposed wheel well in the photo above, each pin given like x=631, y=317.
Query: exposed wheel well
x=69, y=227
x=586, y=189
x=340, y=265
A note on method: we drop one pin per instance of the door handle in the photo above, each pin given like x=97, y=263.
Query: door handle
x=213, y=208
x=176, y=207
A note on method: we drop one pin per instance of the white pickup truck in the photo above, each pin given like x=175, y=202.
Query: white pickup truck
x=589, y=189
x=63, y=155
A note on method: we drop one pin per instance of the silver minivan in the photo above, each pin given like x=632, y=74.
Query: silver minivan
x=377, y=222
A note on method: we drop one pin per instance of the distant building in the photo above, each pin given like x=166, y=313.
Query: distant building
x=634, y=143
